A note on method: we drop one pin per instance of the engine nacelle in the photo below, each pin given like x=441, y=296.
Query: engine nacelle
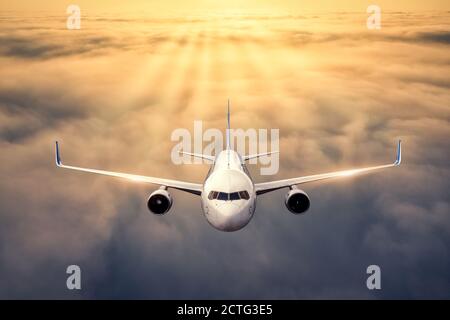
x=297, y=201
x=159, y=201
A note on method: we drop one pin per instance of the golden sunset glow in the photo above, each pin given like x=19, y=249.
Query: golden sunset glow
x=167, y=7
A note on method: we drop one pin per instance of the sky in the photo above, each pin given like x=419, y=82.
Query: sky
x=112, y=93
x=173, y=6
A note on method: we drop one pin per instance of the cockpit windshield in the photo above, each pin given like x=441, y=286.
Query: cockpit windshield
x=223, y=196
x=234, y=196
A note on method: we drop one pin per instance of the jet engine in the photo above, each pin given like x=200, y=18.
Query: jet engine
x=297, y=201
x=159, y=201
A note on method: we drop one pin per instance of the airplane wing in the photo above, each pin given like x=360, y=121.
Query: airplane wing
x=194, y=188
x=275, y=185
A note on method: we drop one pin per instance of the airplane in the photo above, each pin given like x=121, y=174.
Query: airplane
x=228, y=194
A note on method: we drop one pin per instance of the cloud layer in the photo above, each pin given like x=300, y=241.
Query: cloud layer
x=113, y=92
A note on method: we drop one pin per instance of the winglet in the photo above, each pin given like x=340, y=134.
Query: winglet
x=399, y=153
x=58, y=157
x=228, y=127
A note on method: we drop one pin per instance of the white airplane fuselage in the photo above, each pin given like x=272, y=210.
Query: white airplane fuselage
x=228, y=197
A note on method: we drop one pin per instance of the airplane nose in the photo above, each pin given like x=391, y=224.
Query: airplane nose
x=229, y=216
x=228, y=209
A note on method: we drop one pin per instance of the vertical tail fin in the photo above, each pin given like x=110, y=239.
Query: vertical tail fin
x=228, y=127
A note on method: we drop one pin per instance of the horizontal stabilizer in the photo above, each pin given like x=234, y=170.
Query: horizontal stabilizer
x=257, y=155
x=198, y=155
